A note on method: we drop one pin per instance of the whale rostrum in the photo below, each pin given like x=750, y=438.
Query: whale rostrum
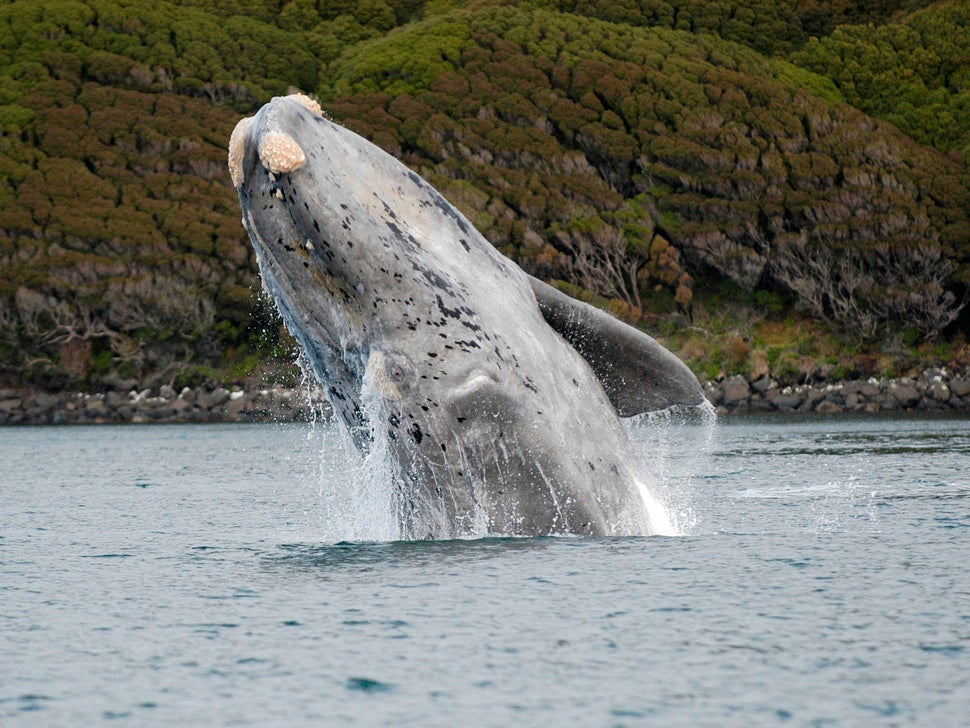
x=494, y=398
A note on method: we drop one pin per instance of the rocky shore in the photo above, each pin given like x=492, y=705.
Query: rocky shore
x=162, y=405
x=934, y=390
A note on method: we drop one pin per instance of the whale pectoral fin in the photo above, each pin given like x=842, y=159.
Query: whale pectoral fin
x=637, y=373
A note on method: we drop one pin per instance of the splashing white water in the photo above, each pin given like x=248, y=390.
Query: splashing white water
x=673, y=445
x=359, y=499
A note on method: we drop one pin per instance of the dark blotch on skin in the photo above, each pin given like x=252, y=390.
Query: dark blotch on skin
x=415, y=431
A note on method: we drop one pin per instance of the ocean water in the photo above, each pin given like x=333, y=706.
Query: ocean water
x=235, y=576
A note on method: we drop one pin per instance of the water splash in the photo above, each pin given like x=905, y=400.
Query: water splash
x=363, y=498
x=674, y=445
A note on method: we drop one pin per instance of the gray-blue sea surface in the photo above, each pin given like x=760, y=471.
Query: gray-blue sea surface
x=203, y=575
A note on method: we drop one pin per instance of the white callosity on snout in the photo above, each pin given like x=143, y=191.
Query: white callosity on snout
x=237, y=146
x=280, y=153
x=311, y=104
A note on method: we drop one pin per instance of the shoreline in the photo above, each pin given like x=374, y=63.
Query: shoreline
x=935, y=390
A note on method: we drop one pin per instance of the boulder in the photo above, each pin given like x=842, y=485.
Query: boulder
x=736, y=390
x=47, y=401
x=906, y=395
x=215, y=398
x=114, y=399
x=939, y=391
x=828, y=407
x=784, y=399
x=713, y=392
x=763, y=385
x=960, y=387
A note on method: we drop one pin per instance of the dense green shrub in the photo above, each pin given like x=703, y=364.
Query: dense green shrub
x=639, y=149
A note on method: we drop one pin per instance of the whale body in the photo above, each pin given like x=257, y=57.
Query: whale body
x=494, y=397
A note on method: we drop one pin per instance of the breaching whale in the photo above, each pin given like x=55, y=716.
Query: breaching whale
x=494, y=397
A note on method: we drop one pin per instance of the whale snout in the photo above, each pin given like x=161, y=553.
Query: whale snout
x=278, y=151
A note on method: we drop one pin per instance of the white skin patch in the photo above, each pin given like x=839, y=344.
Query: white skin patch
x=237, y=146
x=280, y=153
x=377, y=375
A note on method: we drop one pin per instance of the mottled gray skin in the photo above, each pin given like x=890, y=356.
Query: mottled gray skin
x=432, y=346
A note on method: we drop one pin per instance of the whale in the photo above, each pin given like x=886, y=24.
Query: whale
x=494, y=399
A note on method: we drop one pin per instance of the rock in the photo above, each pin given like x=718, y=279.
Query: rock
x=235, y=405
x=784, y=399
x=906, y=395
x=736, y=390
x=47, y=401
x=939, y=391
x=960, y=387
x=712, y=390
x=811, y=397
x=114, y=399
x=757, y=403
x=763, y=384
x=834, y=393
x=827, y=407
x=215, y=398
x=166, y=392
x=95, y=405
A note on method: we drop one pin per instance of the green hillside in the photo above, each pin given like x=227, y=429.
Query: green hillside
x=734, y=175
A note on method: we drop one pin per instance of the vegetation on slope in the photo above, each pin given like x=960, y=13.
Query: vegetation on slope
x=624, y=159
x=915, y=74
x=676, y=161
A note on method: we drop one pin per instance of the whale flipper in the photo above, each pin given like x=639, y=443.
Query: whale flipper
x=637, y=373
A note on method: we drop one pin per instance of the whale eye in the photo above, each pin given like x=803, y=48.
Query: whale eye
x=399, y=369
